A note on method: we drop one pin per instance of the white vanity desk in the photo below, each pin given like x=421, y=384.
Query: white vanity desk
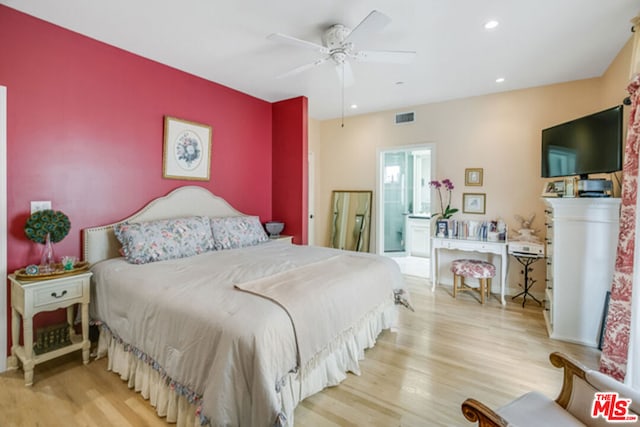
x=482, y=246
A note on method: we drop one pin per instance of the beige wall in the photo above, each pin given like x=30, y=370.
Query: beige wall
x=499, y=133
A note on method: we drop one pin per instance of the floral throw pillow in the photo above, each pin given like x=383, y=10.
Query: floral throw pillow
x=237, y=232
x=159, y=240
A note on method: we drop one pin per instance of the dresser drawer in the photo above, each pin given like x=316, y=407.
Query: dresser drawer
x=56, y=293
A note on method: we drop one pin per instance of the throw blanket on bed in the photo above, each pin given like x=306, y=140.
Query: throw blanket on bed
x=324, y=299
x=231, y=348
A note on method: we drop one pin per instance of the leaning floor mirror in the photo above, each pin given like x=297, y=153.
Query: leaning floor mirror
x=351, y=219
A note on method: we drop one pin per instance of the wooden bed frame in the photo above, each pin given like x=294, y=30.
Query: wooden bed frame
x=100, y=243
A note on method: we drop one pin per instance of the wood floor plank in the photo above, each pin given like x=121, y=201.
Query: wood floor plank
x=447, y=350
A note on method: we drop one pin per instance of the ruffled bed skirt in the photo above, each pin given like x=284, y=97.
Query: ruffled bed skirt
x=147, y=381
x=328, y=369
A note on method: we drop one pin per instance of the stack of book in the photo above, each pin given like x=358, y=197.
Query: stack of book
x=471, y=230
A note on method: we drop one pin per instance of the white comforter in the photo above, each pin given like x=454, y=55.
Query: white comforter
x=232, y=348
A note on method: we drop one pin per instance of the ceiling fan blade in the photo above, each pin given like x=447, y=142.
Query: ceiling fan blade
x=304, y=67
x=283, y=38
x=391, y=56
x=345, y=73
x=373, y=22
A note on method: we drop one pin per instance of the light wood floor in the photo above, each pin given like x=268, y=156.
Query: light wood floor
x=446, y=351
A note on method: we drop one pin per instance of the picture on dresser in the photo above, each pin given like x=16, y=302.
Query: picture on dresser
x=473, y=203
x=442, y=228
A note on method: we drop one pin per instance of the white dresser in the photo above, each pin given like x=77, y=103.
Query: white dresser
x=581, y=242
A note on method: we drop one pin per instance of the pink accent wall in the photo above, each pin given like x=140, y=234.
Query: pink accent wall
x=290, y=167
x=85, y=130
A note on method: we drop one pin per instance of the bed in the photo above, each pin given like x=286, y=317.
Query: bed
x=232, y=333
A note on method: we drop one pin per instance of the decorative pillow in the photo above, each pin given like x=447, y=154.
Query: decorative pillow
x=144, y=242
x=237, y=232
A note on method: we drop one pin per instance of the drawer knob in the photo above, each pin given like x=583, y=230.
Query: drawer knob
x=55, y=295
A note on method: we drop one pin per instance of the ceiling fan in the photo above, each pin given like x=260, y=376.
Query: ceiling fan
x=339, y=46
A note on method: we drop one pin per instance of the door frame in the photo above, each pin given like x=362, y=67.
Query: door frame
x=3, y=227
x=311, y=202
x=380, y=152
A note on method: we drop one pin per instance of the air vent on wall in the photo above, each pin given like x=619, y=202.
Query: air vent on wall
x=404, y=118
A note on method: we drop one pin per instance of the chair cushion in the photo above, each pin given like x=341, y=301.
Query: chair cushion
x=535, y=409
x=473, y=268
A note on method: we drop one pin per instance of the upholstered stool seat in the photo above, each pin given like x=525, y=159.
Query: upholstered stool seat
x=476, y=269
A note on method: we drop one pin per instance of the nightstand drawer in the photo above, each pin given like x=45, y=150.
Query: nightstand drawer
x=57, y=293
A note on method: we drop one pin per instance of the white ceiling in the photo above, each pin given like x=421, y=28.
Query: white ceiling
x=538, y=42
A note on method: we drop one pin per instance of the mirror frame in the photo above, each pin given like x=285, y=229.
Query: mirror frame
x=361, y=222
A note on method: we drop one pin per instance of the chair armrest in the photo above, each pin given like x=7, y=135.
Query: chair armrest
x=475, y=411
x=571, y=369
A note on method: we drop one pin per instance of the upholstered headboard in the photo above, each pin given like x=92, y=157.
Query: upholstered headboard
x=100, y=243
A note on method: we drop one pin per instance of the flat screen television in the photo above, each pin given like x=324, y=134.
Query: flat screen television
x=588, y=145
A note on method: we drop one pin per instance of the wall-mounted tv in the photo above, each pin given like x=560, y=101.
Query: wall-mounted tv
x=588, y=145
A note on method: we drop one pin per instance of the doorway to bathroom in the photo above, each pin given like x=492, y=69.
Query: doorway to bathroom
x=404, y=205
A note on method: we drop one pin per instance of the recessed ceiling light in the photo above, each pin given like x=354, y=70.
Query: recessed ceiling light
x=490, y=25
x=399, y=83
x=354, y=106
x=500, y=80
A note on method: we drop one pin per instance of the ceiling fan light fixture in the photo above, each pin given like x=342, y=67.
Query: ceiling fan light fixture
x=491, y=24
x=335, y=36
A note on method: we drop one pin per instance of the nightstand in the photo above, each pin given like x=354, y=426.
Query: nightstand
x=31, y=297
x=283, y=239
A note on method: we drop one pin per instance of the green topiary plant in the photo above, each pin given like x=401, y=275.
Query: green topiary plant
x=41, y=223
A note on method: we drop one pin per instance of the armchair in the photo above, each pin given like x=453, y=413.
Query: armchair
x=572, y=407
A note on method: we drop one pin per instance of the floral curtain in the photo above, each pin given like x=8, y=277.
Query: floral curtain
x=615, y=350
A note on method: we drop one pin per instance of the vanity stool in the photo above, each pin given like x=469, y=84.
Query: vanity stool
x=472, y=268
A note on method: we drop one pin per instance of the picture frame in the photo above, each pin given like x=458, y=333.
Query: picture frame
x=570, y=187
x=442, y=228
x=474, y=203
x=473, y=177
x=187, y=150
x=553, y=189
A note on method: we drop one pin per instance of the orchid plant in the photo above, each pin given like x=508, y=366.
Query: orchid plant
x=445, y=212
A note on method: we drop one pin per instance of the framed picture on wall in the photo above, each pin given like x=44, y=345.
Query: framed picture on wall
x=473, y=177
x=187, y=150
x=474, y=203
